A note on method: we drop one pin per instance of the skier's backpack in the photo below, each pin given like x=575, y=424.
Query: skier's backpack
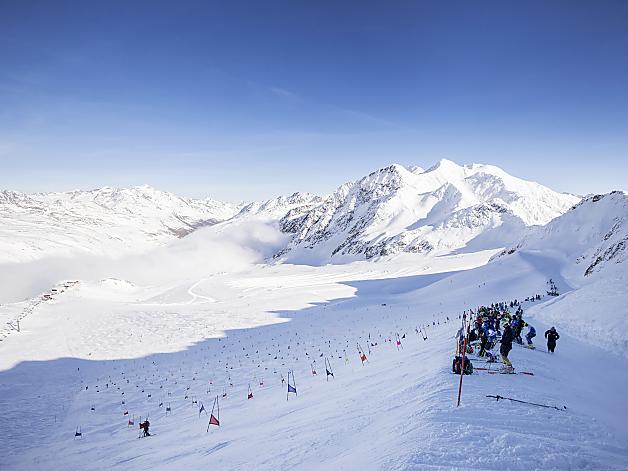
x=468, y=366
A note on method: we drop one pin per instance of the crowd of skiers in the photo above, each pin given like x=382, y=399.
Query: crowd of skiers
x=493, y=324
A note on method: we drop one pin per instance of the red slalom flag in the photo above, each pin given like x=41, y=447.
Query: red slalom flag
x=213, y=420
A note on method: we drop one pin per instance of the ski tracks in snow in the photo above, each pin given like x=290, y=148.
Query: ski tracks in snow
x=199, y=298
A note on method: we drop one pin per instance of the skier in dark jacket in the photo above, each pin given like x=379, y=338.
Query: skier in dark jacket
x=551, y=336
x=516, y=331
x=145, y=426
x=484, y=340
x=506, y=346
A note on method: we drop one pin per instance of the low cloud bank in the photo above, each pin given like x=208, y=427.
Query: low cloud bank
x=229, y=248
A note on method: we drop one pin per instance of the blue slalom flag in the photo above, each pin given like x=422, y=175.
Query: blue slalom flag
x=292, y=389
x=329, y=373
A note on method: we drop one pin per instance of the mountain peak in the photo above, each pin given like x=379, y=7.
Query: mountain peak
x=390, y=169
x=416, y=169
x=445, y=164
x=146, y=189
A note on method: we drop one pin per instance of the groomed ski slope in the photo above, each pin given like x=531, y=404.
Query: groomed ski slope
x=395, y=412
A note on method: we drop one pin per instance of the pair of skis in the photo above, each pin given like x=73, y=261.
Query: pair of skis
x=494, y=372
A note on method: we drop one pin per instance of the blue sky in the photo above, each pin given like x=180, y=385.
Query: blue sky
x=246, y=100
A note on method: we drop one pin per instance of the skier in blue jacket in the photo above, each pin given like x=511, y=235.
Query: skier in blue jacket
x=531, y=334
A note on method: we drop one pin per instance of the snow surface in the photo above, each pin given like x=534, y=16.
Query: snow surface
x=395, y=412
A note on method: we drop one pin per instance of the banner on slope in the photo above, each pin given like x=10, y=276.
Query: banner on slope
x=292, y=388
x=362, y=355
x=328, y=369
x=214, y=419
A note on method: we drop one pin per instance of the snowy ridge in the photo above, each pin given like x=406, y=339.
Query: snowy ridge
x=277, y=207
x=106, y=221
x=443, y=209
x=592, y=236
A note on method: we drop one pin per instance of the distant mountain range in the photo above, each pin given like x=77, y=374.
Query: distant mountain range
x=446, y=209
x=107, y=221
x=395, y=209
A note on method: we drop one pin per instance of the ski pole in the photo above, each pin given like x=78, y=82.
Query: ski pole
x=498, y=397
x=464, y=350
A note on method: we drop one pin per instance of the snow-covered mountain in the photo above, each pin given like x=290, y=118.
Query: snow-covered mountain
x=592, y=236
x=395, y=209
x=107, y=221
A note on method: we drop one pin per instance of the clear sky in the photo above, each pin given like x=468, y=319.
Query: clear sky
x=247, y=100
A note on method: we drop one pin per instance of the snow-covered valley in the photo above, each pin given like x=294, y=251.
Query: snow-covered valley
x=306, y=283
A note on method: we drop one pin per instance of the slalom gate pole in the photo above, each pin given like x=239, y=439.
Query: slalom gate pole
x=458, y=344
x=208, y=423
x=464, y=351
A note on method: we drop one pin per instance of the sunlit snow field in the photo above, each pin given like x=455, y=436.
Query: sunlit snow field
x=188, y=340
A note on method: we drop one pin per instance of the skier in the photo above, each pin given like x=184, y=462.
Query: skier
x=516, y=324
x=530, y=335
x=551, y=336
x=145, y=426
x=506, y=342
x=522, y=324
